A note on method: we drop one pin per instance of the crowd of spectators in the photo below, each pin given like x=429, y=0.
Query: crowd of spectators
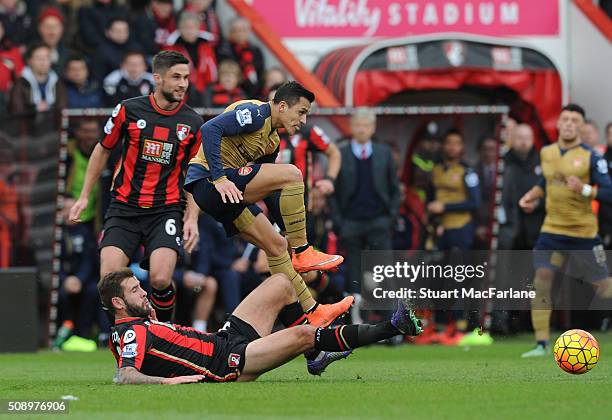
x=67, y=54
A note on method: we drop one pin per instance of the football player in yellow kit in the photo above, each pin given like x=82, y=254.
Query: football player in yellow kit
x=574, y=174
x=234, y=169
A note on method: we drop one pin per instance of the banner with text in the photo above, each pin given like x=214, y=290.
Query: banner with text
x=396, y=18
x=483, y=280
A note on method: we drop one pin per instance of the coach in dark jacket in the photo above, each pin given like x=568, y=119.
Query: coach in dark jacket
x=519, y=230
x=366, y=201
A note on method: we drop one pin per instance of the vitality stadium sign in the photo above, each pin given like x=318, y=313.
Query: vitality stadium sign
x=385, y=18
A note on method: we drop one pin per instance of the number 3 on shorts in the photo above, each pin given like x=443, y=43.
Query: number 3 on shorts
x=171, y=227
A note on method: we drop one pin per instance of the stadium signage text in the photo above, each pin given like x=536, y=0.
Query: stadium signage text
x=374, y=18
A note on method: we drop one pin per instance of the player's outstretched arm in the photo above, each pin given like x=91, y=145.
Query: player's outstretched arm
x=529, y=201
x=97, y=163
x=131, y=376
x=191, y=234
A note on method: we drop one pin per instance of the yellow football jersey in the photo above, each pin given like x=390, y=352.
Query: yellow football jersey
x=567, y=212
x=242, y=134
x=456, y=186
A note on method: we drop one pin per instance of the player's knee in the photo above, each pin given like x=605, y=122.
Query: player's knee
x=159, y=281
x=603, y=288
x=292, y=174
x=544, y=275
x=542, y=285
x=211, y=286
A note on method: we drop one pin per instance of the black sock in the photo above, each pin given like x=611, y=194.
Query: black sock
x=346, y=337
x=163, y=302
x=302, y=248
x=292, y=315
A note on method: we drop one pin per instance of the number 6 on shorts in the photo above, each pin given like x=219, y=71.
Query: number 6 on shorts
x=171, y=227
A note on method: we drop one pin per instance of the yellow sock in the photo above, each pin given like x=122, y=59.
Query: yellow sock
x=540, y=319
x=540, y=315
x=282, y=264
x=293, y=213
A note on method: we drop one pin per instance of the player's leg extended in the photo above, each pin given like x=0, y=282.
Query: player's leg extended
x=259, y=231
x=541, y=310
x=276, y=349
x=263, y=305
x=163, y=296
x=288, y=180
x=541, y=304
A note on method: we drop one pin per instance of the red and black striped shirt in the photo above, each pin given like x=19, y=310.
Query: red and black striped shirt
x=299, y=148
x=166, y=350
x=156, y=148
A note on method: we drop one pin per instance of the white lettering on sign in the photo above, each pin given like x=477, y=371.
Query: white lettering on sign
x=346, y=13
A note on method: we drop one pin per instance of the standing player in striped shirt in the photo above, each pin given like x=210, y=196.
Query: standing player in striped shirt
x=158, y=134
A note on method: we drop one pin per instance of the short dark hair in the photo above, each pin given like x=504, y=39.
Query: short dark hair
x=482, y=139
x=114, y=19
x=291, y=92
x=75, y=57
x=130, y=53
x=450, y=132
x=33, y=47
x=110, y=287
x=574, y=108
x=608, y=126
x=163, y=60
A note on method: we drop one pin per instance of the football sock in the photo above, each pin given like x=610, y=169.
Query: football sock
x=282, y=264
x=346, y=337
x=293, y=213
x=540, y=319
x=542, y=343
x=540, y=315
x=163, y=302
x=292, y=315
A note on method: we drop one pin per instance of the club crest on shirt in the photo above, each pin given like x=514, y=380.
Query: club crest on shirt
x=233, y=360
x=182, y=131
x=245, y=170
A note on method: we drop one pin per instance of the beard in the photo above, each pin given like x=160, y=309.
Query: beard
x=137, y=311
x=169, y=96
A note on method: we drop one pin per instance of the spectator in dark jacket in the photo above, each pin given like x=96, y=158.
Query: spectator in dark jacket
x=249, y=56
x=110, y=53
x=153, y=25
x=17, y=21
x=50, y=31
x=131, y=80
x=486, y=169
x=519, y=230
x=81, y=92
x=38, y=89
x=94, y=20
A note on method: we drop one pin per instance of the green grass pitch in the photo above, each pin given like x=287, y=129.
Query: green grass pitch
x=376, y=382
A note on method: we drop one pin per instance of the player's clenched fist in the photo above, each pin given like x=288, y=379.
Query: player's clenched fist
x=77, y=208
x=228, y=191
